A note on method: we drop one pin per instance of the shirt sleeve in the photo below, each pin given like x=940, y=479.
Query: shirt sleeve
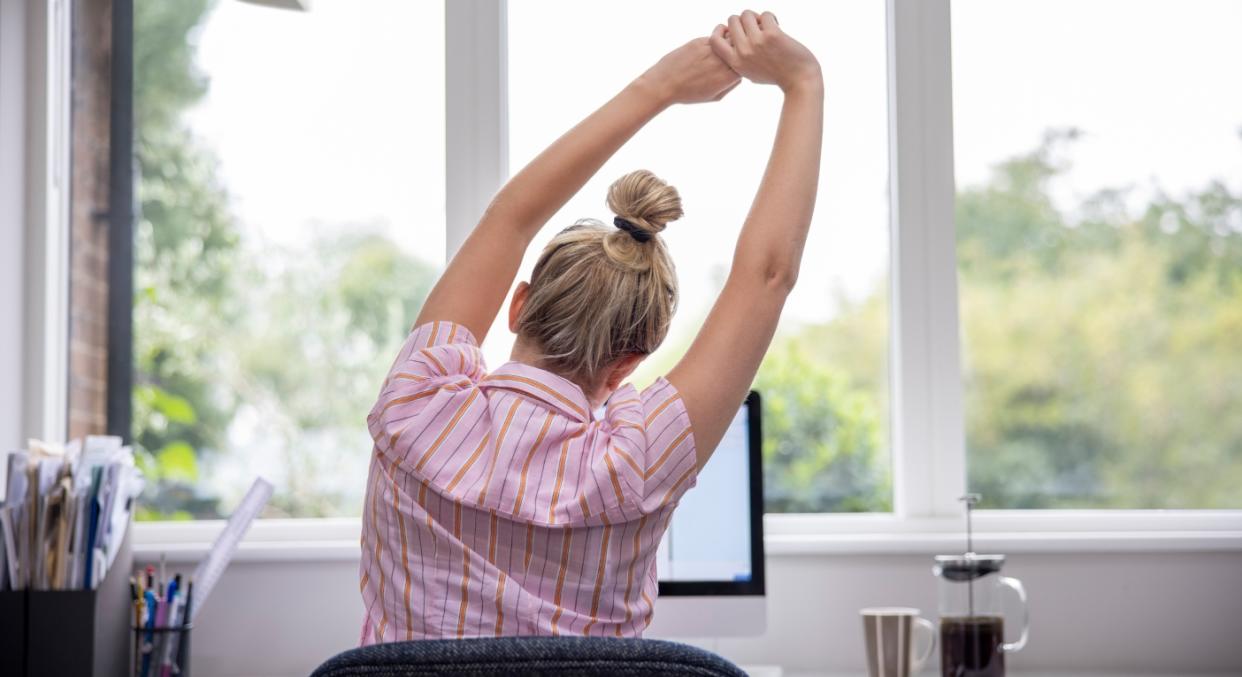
x=654, y=443
x=438, y=358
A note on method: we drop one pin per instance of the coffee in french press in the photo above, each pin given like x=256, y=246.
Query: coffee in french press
x=972, y=625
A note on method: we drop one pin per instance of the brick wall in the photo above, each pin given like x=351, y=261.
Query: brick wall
x=88, y=247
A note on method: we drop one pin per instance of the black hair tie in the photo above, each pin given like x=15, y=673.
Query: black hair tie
x=635, y=232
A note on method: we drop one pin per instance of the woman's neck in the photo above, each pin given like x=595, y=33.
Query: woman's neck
x=526, y=354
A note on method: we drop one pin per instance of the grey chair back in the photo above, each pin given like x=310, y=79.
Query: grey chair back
x=528, y=657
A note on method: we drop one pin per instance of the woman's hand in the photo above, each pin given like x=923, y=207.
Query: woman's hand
x=692, y=73
x=755, y=47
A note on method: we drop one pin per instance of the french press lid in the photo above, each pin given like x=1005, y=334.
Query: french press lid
x=967, y=567
x=970, y=565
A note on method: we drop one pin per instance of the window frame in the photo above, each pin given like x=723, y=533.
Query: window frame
x=37, y=86
x=927, y=435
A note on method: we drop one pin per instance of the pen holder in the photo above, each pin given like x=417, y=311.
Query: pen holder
x=155, y=649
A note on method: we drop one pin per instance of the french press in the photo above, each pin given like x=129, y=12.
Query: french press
x=972, y=623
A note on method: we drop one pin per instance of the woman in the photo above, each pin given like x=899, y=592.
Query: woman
x=530, y=500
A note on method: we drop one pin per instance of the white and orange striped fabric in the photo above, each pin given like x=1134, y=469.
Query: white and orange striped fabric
x=500, y=504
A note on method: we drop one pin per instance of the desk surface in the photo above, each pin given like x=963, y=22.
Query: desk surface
x=763, y=671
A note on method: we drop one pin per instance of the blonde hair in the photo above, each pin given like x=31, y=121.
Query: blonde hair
x=597, y=293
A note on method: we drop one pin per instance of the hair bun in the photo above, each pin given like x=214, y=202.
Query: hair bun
x=645, y=200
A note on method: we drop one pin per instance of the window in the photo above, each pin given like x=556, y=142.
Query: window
x=825, y=381
x=291, y=219
x=294, y=207
x=1099, y=243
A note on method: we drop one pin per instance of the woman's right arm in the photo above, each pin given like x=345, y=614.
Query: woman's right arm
x=718, y=369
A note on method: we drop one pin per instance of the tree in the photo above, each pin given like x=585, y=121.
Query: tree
x=1101, y=346
x=823, y=447
x=244, y=354
x=1101, y=356
x=308, y=358
x=185, y=252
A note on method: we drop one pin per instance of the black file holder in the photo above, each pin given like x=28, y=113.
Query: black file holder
x=71, y=632
x=13, y=632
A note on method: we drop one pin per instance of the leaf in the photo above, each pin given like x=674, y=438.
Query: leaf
x=176, y=461
x=175, y=408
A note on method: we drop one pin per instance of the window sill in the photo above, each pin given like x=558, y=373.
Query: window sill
x=1046, y=532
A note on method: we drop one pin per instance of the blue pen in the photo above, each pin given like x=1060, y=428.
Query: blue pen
x=146, y=652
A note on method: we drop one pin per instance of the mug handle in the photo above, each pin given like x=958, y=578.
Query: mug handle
x=1016, y=586
x=921, y=622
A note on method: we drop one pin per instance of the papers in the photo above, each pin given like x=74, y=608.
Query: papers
x=13, y=520
x=65, y=512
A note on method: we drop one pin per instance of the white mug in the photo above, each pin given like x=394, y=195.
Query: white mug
x=887, y=636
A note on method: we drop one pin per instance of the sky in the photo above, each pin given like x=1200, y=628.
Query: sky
x=333, y=119
x=1153, y=84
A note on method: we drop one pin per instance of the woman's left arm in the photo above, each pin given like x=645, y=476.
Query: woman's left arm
x=473, y=287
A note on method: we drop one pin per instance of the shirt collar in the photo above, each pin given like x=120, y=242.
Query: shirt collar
x=541, y=384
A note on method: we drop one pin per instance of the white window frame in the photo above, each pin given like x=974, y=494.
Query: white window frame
x=35, y=86
x=928, y=445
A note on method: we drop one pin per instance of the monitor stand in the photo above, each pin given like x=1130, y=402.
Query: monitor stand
x=710, y=616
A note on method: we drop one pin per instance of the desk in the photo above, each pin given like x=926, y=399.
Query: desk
x=758, y=671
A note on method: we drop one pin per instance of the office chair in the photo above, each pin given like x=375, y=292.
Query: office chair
x=528, y=657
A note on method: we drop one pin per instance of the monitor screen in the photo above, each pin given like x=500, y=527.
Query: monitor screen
x=711, y=537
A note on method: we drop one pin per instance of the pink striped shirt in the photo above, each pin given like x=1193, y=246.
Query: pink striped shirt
x=499, y=504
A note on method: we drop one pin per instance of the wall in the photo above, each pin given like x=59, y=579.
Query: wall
x=88, y=248
x=1129, y=613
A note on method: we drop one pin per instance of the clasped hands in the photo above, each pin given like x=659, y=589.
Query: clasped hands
x=749, y=45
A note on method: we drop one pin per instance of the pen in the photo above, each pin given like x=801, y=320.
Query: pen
x=142, y=604
x=136, y=593
x=133, y=596
x=146, y=648
x=184, y=624
x=163, y=619
x=175, y=610
x=189, y=601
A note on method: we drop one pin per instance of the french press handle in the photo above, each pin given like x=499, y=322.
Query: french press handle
x=1016, y=586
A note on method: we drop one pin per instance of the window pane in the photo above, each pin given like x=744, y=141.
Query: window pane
x=825, y=380
x=1099, y=225
x=291, y=220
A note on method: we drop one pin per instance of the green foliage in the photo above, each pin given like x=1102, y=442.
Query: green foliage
x=1102, y=349
x=295, y=340
x=1102, y=354
x=823, y=445
x=158, y=402
x=176, y=462
x=185, y=248
x=308, y=358
x=166, y=81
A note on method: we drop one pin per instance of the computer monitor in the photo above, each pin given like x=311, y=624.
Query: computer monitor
x=710, y=561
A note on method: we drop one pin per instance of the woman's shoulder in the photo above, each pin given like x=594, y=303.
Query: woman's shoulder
x=653, y=442
x=437, y=359
x=440, y=333
x=440, y=348
x=657, y=404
